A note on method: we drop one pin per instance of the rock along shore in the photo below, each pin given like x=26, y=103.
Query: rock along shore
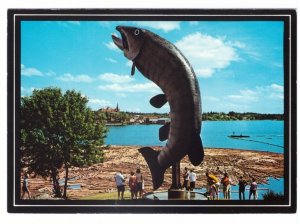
x=99, y=178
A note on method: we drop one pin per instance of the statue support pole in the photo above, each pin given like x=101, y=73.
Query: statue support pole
x=176, y=176
x=175, y=192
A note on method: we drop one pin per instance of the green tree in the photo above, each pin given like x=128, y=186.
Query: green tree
x=59, y=130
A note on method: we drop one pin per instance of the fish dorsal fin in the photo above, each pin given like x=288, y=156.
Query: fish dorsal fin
x=196, y=152
x=132, y=68
x=164, y=132
x=158, y=101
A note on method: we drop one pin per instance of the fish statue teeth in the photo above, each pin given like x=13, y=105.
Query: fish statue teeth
x=162, y=63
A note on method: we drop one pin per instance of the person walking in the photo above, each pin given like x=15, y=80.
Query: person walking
x=133, y=185
x=242, y=186
x=186, y=178
x=120, y=182
x=226, y=186
x=25, y=187
x=192, y=179
x=253, y=189
x=139, y=180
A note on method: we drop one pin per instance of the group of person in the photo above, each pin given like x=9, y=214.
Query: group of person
x=213, y=185
x=189, y=179
x=135, y=182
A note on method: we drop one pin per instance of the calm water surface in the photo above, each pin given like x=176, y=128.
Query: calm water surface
x=264, y=135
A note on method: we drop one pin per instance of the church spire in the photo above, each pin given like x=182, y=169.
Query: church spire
x=117, y=108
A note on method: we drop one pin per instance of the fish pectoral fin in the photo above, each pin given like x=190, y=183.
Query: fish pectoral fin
x=158, y=101
x=132, y=69
x=164, y=132
x=196, y=153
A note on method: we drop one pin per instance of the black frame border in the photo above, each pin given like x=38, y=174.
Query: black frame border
x=15, y=16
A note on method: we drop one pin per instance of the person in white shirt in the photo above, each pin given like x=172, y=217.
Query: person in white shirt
x=192, y=179
x=120, y=182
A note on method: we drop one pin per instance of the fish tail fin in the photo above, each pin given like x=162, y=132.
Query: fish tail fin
x=157, y=172
x=196, y=153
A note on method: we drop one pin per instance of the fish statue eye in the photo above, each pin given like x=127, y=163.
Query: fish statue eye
x=137, y=32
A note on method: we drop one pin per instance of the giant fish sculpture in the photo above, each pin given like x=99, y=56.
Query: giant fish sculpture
x=161, y=62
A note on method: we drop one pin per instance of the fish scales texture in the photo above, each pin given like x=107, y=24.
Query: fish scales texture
x=168, y=64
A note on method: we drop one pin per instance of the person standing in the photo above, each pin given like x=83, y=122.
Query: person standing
x=186, y=178
x=242, y=186
x=139, y=180
x=253, y=189
x=212, y=180
x=226, y=186
x=120, y=182
x=192, y=179
x=133, y=185
x=213, y=192
x=25, y=187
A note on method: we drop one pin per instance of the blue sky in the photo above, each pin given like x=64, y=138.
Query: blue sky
x=239, y=64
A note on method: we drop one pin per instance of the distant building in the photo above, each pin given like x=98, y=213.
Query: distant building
x=110, y=110
x=163, y=120
x=153, y=120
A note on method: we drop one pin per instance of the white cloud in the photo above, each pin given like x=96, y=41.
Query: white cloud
x=78, y=78
x=131, y=88
x=27, y=91
x=208, y=54
x=245, y=95
x=50, y=73
x=110, y=45
x=100, y=102
x=159, y=25
x=273, y=91
x=30, y=71
x=277, y=87
x=111, y=60
x=115, y=78
x=204, y=72
x=129, y=64
x=211, y=98
x=237, y=44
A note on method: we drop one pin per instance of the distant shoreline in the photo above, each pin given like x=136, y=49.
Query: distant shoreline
x=137, y=123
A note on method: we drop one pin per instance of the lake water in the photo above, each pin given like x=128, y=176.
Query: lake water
x=264, y=135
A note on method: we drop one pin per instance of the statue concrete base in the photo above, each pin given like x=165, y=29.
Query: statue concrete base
x=176, y=194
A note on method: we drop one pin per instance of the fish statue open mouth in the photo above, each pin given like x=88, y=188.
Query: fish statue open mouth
x=161, y=62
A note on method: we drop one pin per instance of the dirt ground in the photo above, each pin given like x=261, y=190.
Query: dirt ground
x=99, y=178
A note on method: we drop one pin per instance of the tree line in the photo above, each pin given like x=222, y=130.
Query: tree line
x=220, y=116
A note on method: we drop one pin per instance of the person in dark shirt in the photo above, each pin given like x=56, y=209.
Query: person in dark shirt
x=242, y=186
